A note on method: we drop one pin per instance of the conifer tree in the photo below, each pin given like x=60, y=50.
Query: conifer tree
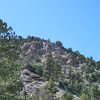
x=52, y=69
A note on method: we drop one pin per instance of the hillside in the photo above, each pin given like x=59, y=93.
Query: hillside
x=37, y=69
x=76, y=73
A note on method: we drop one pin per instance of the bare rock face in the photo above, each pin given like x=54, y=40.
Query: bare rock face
x=32, y=47
x=37, y=46
x=31, y=82
x=71, y=60
x=26, y=46
x=40, y=50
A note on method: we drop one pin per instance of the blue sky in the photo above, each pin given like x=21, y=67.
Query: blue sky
x=76, y=23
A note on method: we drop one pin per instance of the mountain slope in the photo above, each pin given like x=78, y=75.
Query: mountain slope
x=33, y=69
x=74, y=72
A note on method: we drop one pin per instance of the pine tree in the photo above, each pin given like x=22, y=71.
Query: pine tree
x=52, y=69
x=9, y=54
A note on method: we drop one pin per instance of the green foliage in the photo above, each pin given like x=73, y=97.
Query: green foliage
x=36, y=97
x=96, y=91
x=90, y=93
x=67, y=96
x=9, y=67
x=98, y=65
x=52, y=69
x=38, y=69
x=58, y=43
x=51, y=86
x=86, y=94
x=83, y=75
x=9, y=50
x=84, y=97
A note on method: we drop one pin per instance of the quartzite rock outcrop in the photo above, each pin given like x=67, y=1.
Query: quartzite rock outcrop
x=40, y=50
